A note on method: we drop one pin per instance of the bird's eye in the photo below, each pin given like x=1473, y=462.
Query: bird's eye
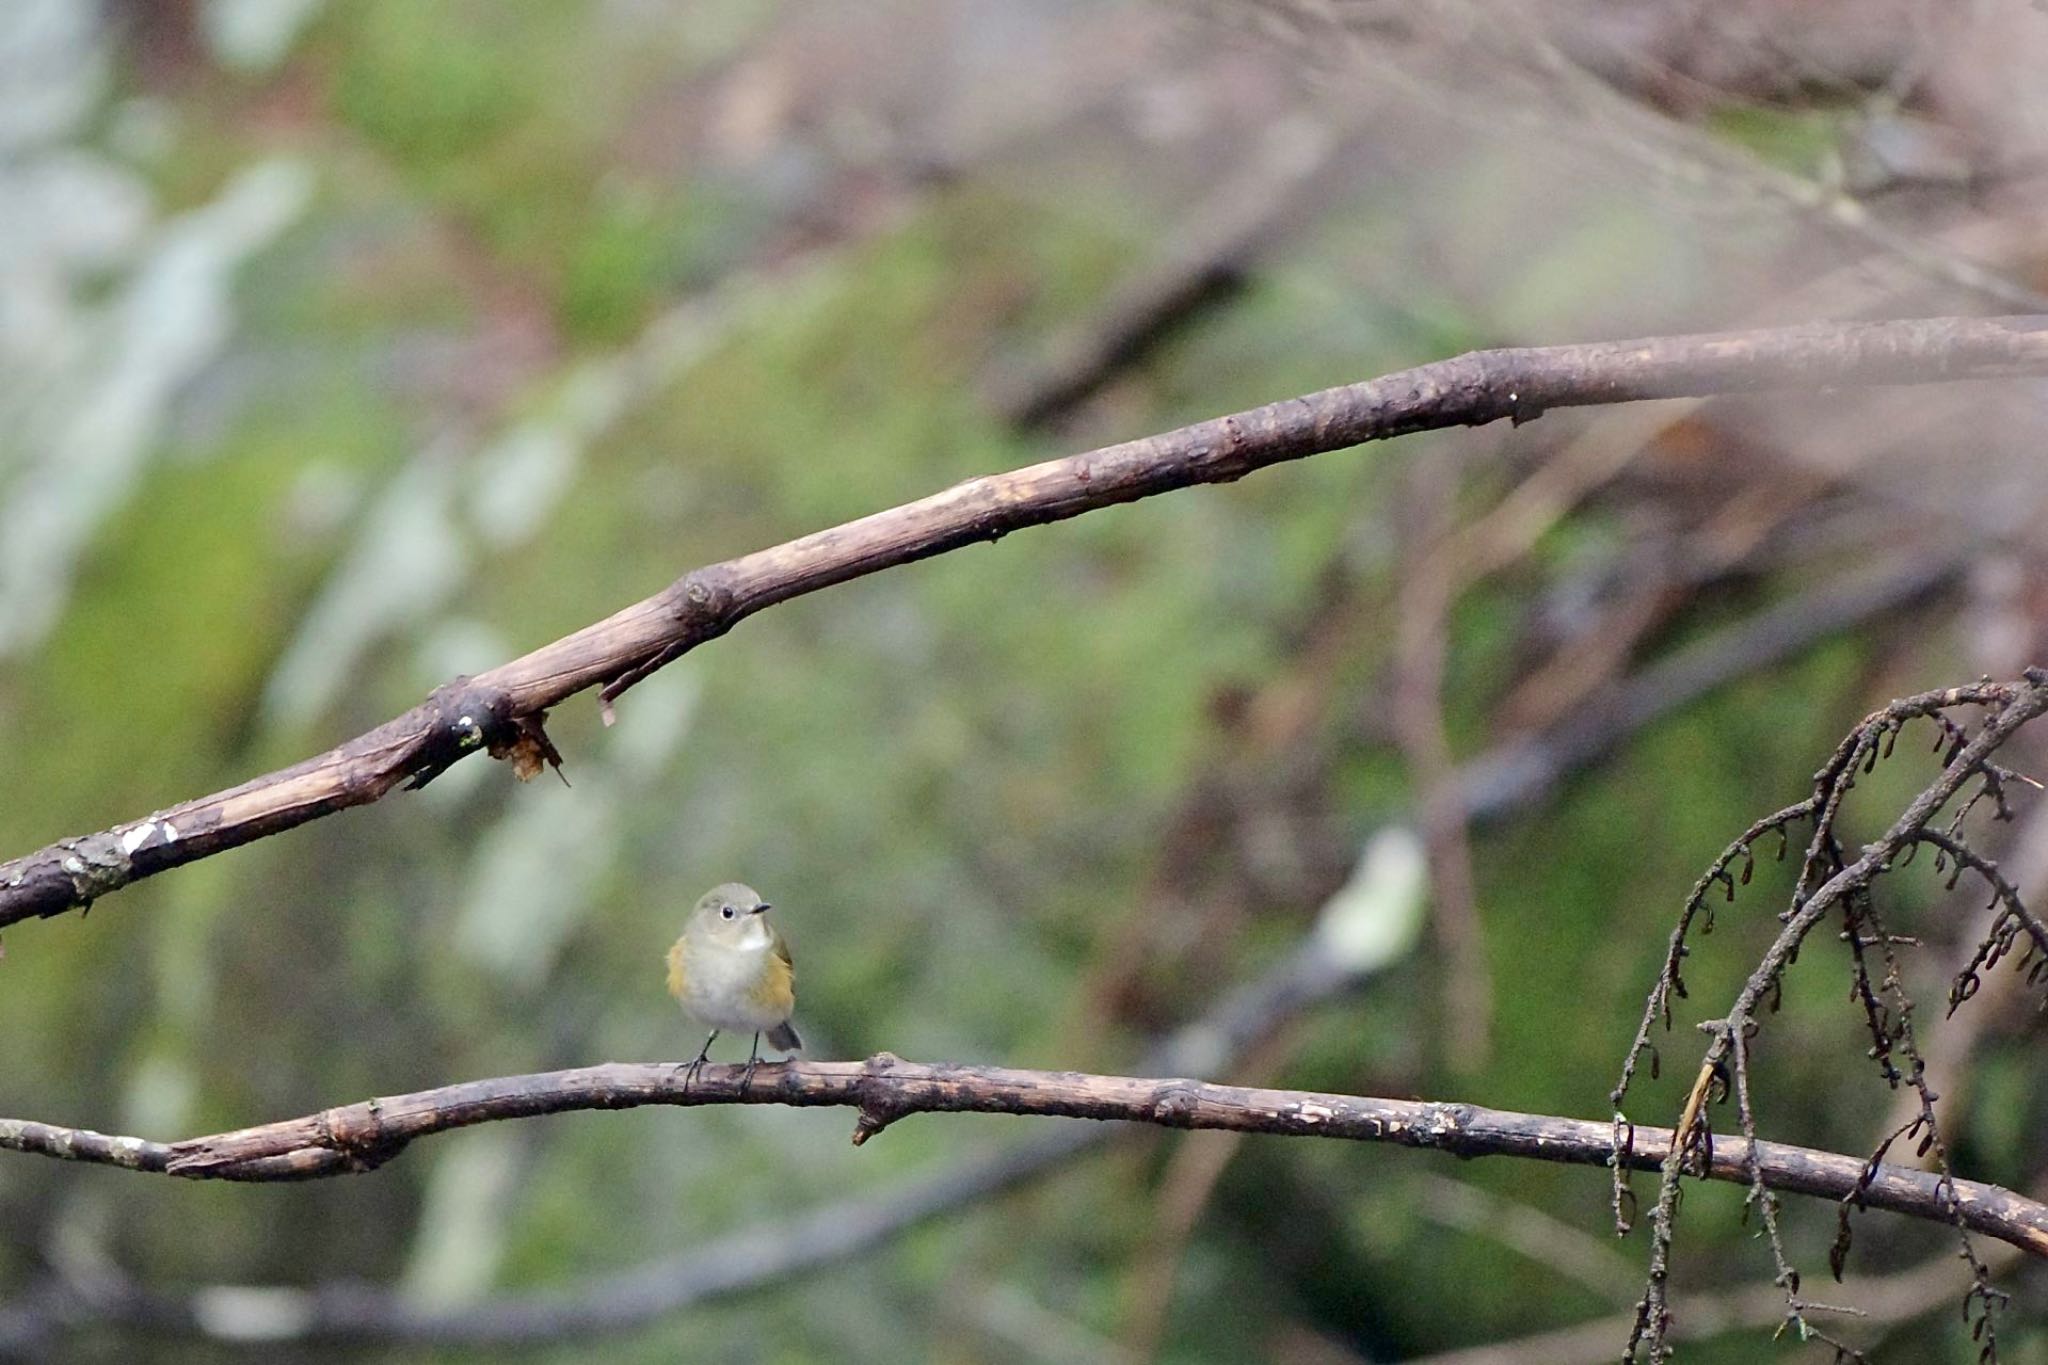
x=727, y=912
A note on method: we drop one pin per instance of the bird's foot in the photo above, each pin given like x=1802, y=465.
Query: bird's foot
x=753, y=1064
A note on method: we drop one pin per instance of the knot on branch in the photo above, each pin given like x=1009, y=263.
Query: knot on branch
x=89, y=866
x=73, y=873
x=704, y=599
x=350, y=1138
x=357, y=1133
x=1176, y=1103
x=467, y=716
x=1448, y=1128
x=704, y=603
x=879, y=1105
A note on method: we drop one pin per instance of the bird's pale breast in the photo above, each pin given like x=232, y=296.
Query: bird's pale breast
x=735, y=988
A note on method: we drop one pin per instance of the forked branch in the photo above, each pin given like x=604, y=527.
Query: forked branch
x=1831, y=884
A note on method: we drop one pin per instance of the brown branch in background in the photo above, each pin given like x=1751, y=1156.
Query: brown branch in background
x=1567, y=1251
x=1185, y=1188
x=1453, y=560
x=1207, y=256
x=1422, y=631
x=1255, y=801
x=1280, y=737
x=1438, y=571
x=1730, y=540
x=1879, y=1302
x=501, y=711
x=884, y=1089
x=1519, y=771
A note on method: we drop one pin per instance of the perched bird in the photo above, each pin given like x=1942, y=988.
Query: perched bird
x=731, y=970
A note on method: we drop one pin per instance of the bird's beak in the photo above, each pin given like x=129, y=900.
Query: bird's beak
x=763, y=908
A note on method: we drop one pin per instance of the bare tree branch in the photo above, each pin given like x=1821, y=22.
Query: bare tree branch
x=1828, y=880
x=360, y=1137
x=1429, y=591
x=750, y=1258
x=1515, y=773
x=501, y=711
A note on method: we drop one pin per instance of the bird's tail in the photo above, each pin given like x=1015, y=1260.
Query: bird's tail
x=783, y=1037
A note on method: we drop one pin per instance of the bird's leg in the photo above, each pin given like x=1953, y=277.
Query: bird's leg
x=690, y=1069
x=753, y=1060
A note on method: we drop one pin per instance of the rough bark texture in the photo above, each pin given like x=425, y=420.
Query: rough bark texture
x=502, y=711
x=359, y=1137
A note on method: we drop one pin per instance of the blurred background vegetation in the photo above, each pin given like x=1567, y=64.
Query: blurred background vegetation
x=353, y=344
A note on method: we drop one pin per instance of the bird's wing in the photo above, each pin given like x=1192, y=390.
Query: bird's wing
x=782, y=951
x=678, y=974
x=777, y=986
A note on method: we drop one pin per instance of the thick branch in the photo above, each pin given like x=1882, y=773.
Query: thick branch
x=361, y=1136
x=501, y=710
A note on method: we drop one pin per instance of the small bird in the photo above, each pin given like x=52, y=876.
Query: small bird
x=731, y=970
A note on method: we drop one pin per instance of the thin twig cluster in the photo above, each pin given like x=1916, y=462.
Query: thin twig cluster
x=1833, y=887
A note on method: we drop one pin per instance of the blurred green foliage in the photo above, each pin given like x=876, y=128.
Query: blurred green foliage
x=954, y=778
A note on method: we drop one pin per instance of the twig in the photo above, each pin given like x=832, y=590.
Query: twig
x=1996, y=1000
x=1827, y=882
x=502, y=711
